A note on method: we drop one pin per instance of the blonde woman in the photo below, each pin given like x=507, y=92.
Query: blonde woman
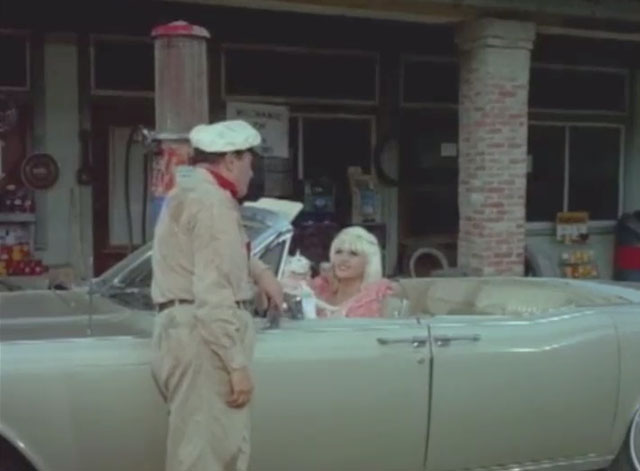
x=353, y=285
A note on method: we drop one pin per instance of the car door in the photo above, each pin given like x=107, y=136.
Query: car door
x=341, y=395
x=330, y=394
x=513, y=390
x=118, y=420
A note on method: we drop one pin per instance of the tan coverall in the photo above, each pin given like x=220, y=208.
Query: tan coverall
x=200, y=254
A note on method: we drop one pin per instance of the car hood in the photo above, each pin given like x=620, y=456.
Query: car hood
x=36, y=315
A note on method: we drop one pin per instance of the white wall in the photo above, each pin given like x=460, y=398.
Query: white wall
x=601, y=243
x=632, y=162
x=64, y=212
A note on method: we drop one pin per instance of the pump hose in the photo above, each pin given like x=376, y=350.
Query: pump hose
x=148, y=155
x=127, y=192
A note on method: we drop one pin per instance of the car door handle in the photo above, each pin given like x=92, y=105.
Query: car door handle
x=417, y=342
x=445, y=340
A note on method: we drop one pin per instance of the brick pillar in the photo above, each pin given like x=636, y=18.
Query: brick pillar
x=494, y=90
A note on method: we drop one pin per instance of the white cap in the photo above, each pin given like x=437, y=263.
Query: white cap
x=225, y=136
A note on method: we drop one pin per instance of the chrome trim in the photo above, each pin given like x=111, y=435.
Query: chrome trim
x=445, y=340
x=579, y=464
x=416, y=341
x=635, y=429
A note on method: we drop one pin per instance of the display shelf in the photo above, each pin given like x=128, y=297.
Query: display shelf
x=25, y=282
x=17, y=218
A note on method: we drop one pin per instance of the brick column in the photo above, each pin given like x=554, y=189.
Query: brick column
x=494, y=90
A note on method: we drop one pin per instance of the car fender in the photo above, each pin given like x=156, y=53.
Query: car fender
x=627, y=321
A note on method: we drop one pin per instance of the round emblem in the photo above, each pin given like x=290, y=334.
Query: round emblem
x=8, y=114
x=40, y=171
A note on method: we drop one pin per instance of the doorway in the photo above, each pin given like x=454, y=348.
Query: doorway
x=111, y=126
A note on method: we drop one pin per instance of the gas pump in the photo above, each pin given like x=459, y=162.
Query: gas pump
x=181, y=102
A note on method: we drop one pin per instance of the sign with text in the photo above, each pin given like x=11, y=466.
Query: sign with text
x=271, y=121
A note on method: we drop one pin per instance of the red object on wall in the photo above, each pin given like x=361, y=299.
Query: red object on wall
x=173, y=154
x=627, y=258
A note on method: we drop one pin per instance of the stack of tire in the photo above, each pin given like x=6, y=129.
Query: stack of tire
x=627, y=253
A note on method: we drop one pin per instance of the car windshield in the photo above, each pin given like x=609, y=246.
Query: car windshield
x=255, y=229
x=129, y=281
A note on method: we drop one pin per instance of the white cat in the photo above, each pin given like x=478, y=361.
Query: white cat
x=297, y=270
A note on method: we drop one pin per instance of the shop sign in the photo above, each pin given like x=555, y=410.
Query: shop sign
x=271, y=121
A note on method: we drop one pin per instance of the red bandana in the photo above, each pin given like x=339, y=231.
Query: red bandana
x=225, y=183
x=228, y=185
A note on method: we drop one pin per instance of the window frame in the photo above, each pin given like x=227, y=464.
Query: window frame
x=300, y=116
x=404, y=58
x=598, y=224
x=300, y=50
x=95, y=91
x=585, y=68
x=27, y=37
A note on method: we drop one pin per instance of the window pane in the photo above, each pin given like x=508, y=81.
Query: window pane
x=330, y=146
x=13, y=72
x=570, y=89
x=123, y=66
x=545, y=180
x=594, y=160
x=434, y=210
x=296, y=75
x=430, y=82
x=429, y=146
x=429, y=172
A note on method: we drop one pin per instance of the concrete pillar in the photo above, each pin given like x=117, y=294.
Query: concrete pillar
x=64, y=212
x=494, y=89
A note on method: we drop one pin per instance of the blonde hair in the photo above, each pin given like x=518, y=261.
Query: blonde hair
x=363, y=242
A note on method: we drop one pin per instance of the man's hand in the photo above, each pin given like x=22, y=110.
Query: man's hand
x=241, y=388
x=271, y=288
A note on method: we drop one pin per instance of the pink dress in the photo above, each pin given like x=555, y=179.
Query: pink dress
x=367, y=303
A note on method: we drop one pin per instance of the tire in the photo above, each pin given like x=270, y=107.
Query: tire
x=628, y=458
x=11, y=459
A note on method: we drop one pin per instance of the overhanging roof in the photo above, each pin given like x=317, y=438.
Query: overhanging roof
x=437, y=11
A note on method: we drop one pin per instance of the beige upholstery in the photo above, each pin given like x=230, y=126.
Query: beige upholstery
x=393, y=306
x=438, y=296
x=488, y=296
x=451, y=296
x=518, y=298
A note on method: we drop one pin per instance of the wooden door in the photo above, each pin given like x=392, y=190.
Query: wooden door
x=111, y=124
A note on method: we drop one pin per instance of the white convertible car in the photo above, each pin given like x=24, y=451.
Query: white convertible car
x=460, y=374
